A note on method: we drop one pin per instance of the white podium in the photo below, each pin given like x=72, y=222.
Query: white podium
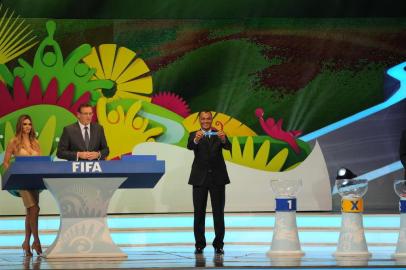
x=83, y=191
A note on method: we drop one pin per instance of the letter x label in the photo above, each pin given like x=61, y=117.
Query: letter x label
x=354, y=205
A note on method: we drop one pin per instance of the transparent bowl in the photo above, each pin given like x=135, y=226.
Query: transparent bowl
x=286, y=188
x=400, y=188
x=352, y=188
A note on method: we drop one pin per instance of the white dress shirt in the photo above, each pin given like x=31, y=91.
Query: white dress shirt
x=82, y=129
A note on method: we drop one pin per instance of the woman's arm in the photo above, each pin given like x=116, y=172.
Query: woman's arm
x=9, y=152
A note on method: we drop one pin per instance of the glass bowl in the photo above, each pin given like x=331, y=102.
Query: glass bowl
x=400, y=188
x=287, y=188
x=352, y=188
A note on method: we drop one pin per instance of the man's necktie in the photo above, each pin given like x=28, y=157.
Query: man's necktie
x=87, y=138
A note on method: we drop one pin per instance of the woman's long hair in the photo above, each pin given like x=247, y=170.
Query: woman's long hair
x=19, y=134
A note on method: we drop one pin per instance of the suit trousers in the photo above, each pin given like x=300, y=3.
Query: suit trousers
x=217, y=197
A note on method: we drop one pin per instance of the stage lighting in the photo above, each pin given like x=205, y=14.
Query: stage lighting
x=344, y=173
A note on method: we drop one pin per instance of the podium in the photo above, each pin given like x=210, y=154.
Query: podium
x=83, y=190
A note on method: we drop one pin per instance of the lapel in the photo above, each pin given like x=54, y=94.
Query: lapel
x=80, y=135
x=211, y=140
x=206, y=139
x=92, y=136
x=207, y=144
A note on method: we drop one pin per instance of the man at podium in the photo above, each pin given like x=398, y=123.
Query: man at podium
x=83, y=140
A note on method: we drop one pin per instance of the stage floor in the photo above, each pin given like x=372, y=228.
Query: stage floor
x=236, y=257
x=166, y=241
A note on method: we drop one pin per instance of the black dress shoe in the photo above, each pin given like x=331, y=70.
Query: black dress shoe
x=219, y=251
x=199, y=250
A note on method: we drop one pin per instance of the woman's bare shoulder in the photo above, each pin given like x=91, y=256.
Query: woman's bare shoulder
x=12, y=143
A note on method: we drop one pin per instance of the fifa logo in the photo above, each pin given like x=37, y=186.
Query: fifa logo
x=86, y=167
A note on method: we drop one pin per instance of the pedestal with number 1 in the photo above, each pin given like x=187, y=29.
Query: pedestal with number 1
x=285, y=239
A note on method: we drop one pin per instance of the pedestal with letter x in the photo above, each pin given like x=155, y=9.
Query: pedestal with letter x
x=352, y=242
x=83, y=191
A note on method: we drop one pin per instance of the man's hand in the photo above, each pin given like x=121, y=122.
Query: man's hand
x=222, y=136
x=198, y=136
x=6, y=165
x=83, y=155
x=93, y=155
x=88, y=155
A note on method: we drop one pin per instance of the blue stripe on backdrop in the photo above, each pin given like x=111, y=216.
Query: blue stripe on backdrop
x=397, y=72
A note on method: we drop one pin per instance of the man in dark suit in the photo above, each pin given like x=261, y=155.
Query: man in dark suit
x=208, y=175
x=402, y=150
x=83, y=140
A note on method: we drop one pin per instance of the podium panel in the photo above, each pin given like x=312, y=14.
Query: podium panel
x=82, y=190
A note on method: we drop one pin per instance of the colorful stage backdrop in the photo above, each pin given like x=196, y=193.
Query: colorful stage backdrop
x=298, y=98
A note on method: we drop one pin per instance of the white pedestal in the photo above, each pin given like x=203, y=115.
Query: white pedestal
x=83, y=204
x=352, y=241
x=401, y=245
x=285, y=240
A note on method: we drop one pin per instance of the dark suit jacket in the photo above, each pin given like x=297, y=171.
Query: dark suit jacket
x=208, y=156
x=72, y=142
x=402, y=150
